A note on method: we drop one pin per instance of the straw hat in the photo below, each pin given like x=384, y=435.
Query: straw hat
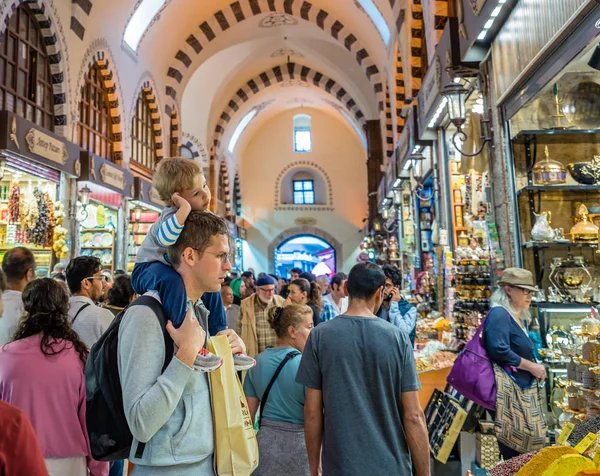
x=518, y=278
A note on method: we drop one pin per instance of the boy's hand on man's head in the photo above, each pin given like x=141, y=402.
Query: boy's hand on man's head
x=180, y=202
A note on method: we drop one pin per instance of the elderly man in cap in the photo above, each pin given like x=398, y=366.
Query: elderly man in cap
x=253, y=325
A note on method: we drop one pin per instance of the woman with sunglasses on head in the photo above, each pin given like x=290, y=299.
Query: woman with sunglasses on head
x=42, y=374
x=506, y=340
x=87, y=284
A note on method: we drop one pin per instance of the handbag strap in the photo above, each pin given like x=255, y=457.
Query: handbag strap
x=79, y=311
x=263, y=401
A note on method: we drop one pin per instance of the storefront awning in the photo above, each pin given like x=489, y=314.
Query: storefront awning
x=145, y=193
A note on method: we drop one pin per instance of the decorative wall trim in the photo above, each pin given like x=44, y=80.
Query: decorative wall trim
x=237, y=191
x=400, y=93
x=80, y=12
x=239, y=11
x=416, y=47
x=226, y=188
x=99, y=52
x=305, y=230
x=57, y=54
x=281, y=75
x=302, y=164
x=198, y=151
x=388, y=124
x=174, y=130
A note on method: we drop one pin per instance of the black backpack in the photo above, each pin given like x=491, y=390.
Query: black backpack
x=110, y=437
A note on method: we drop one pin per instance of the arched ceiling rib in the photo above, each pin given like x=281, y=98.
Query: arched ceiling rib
x=281, y=11
x=286, y=75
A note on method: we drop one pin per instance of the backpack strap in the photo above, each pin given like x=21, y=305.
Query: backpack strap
x=158, y=310
x=263, y=401
x=87, y=304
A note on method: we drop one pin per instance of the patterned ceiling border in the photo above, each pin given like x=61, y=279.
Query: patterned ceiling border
x=280, y=75
x=80, y=12
x=147, y=86
x=198, y=151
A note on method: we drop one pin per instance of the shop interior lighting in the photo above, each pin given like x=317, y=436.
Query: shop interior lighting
x=416, y=149
x=457, y=97
x=397, y=197
x=140, y=20
x=137, y=213
x=488, y=24
x=377, y=18
x=438, y=113
x=397, y=183
x=2, y=168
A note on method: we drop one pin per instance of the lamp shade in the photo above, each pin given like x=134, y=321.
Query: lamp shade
x=84, y=195
x=456, y=95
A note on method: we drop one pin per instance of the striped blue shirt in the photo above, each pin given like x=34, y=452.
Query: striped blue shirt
x=163, y=233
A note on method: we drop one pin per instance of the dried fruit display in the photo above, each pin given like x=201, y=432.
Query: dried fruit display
x=13, y=202
x=61, y=250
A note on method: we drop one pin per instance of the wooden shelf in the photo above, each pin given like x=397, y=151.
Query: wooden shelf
x=559, y=244
x=96, y=247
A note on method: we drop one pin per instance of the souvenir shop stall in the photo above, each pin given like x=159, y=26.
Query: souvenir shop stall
x=103, y=189
x=144, y=210
x=35, y=166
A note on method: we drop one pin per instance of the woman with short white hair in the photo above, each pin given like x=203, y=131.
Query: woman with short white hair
x=506, y=339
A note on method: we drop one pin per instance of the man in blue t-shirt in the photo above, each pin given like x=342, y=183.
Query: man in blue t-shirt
x=362, y=400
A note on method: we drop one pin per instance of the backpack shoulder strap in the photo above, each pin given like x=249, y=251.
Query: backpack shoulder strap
x=158, y=310
x=87, y=304
x=289, y=356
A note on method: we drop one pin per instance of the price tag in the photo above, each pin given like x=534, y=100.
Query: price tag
x=565, y=433
x=584, y=444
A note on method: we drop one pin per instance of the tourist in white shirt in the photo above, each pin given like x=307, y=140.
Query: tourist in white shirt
x=19, y=268
x=87, y=284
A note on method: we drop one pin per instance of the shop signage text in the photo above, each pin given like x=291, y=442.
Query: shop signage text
x=113, y=176
x=45, y=146
x=305, y=221
x=432, y=85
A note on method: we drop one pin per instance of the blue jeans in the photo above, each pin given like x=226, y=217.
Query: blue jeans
x=159, y=277
x=116, y=468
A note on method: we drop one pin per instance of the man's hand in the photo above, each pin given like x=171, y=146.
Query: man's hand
x=396, y=297
x=189, y=338
x=235, y=341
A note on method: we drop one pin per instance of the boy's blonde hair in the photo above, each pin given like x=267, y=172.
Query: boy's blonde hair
x=175, y=174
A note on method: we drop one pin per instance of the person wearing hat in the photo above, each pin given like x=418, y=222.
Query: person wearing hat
x=253, y=324
x=239, y=290
x=506, y=339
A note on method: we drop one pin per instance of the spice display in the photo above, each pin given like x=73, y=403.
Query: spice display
x=543, y=459
x=13, y=203
x=512, y=466
x=568, y=464
x=61, y=250
x=582, y=429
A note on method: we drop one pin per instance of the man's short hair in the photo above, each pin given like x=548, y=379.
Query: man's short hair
x=338, y=279
x=247, y=274
x=17, y=261
x=175, y=174
x=393, y=273
x=197, y=233
x=80, y=268
x=296, y=270
x=364, y=280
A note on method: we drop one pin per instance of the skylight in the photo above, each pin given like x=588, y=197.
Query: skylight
x=377, y=18
x=239, y=129
x=140, y=21
x=355, y=127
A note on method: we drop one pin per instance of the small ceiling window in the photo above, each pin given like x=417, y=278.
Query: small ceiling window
x=304, y=192
x=239, y=129
x=140, y=21
x=377, y=18
x=302, y=133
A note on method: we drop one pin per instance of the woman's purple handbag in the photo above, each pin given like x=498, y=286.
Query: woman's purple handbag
x=473, y=372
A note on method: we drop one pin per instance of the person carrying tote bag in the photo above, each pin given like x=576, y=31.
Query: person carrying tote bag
x=520, y=423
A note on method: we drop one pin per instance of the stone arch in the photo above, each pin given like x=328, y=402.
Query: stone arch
x=174, y=132
x=50, y=27
x=328, y=206
x=276, y=13
x=441, y=18
x=99, y=53
x=80, y=12
x=147, y=86
x=389, y=127
x=224, y=174
x=416, y=48
x=237, y=194
x=305, y=230
x=286, y=74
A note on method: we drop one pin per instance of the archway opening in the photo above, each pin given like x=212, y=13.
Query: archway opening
x=307, y=252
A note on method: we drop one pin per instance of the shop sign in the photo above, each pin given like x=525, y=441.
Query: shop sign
x=46, y=146
x=113, y=176
x=305, y=221
x=432, y=85
x=145, y=192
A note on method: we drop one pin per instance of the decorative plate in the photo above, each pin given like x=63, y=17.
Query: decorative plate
x=86, y=239
x=106, y=257
x=107, y=239
x=97, y=240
